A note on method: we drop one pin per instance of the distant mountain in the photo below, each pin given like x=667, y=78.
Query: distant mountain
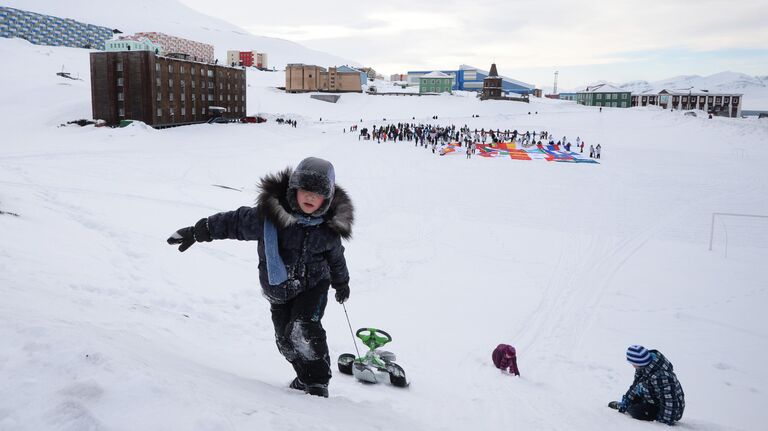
x=754, y=88
x=172, y=17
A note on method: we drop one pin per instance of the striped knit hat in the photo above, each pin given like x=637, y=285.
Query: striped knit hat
x=638, y=355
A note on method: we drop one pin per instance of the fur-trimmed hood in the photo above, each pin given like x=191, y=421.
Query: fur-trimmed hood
x=274, y=195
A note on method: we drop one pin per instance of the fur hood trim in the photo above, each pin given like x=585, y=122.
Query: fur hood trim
x=274, y=195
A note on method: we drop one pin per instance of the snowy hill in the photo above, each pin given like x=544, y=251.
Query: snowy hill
x=172, y=17
x=106, y=327
x=754, y=88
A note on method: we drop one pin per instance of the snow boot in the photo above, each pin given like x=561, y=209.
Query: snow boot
x=319, y=390
x=298, y=385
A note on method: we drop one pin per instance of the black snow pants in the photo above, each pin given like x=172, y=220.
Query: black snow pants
x=643, y=411
x=300, y=335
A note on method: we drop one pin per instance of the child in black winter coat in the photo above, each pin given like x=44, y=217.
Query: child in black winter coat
x=299, y=220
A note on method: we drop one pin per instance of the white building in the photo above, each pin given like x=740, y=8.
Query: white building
x=720, y=104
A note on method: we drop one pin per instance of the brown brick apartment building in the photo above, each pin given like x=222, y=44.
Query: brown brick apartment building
x=303, y=78
x=162, y=91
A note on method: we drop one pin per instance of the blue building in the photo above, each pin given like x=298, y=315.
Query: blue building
x=347, y=69
x=469, y=78
x=50, y=30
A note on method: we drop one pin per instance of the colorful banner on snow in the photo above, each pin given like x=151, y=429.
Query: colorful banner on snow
x=550, y=153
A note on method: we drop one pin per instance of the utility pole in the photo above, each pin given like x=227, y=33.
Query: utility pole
x=554, y=90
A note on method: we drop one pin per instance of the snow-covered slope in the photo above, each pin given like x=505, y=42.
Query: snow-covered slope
x=103, y=326
x=173, y=17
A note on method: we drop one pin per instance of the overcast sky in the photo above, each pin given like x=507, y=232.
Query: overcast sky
x=586, y=41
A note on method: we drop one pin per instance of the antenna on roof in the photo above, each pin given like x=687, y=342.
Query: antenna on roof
x=554, y=90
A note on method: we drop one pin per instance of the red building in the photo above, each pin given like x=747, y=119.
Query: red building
x=247, y=59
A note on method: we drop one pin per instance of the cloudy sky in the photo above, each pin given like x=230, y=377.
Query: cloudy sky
x=618, y=40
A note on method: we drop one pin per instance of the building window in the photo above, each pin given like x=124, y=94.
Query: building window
x=599, y=97
x=183, y=96
x=121, y=112
x=159, y=112
x=171, y=111
x=192, y=70
x=159, y=96
x=182, y=83
x=624, y=96
x=183, y=111
x=235, y=97
x=193, y=85
x=120, y=66
x=194, y=97
x=119, y=82
x=210, y=97
x=221, y=98
x=120, y=96
x=623, y=104
x=210, y=74
x=202, y=110
x=170, y=82
x=157, y=80
x=221, y=85
x=170, y=97
x=170, y=68
x=228, y=98
x=181, y=70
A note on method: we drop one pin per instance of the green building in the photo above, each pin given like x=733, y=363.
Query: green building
x=604, y=95
x=435, y=82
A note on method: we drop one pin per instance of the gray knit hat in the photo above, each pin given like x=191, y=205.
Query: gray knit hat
x=313, y=175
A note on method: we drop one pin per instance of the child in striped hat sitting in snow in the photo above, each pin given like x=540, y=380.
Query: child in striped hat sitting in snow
x=655, y=394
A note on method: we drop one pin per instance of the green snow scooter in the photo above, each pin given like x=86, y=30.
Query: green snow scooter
x=376, y=366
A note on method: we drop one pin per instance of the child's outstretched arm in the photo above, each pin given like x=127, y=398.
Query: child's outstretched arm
x=243, y=224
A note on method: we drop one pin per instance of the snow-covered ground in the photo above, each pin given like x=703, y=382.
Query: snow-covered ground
x=103, y=326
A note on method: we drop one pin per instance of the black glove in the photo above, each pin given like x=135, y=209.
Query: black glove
x=188, y=235
x=342, y=293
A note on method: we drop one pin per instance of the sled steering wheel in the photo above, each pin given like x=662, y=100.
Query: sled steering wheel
x=373, y=338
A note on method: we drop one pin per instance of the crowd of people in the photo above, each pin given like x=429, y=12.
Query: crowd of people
x=291, y=123
x=437, y=137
